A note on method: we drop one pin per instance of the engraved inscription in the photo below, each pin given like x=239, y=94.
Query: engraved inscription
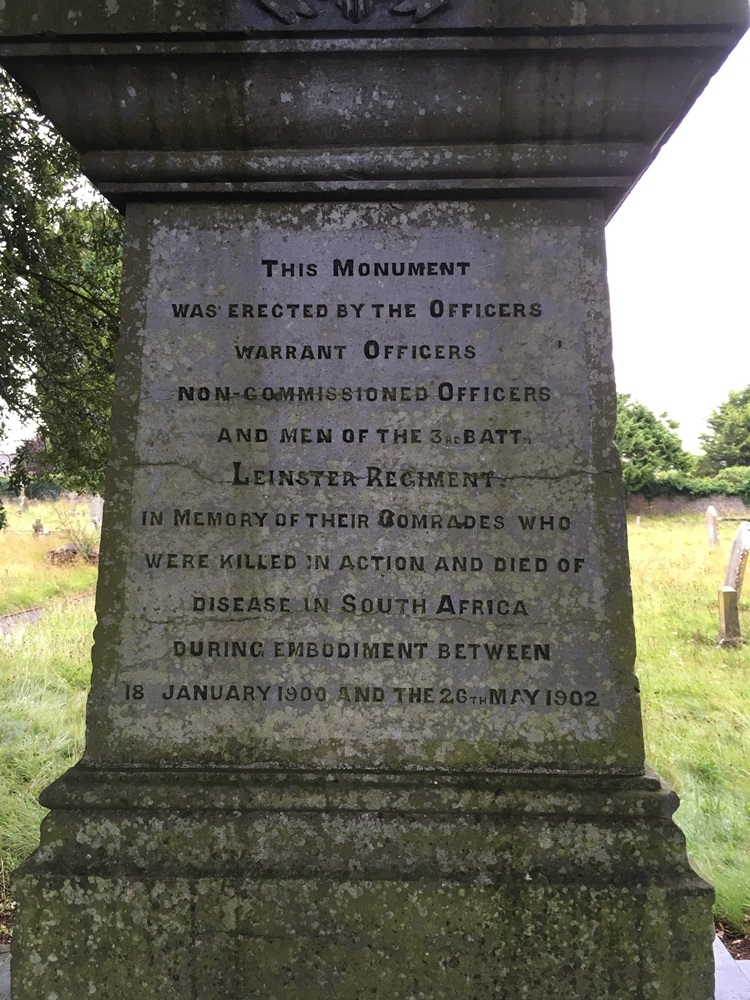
x=363, y=522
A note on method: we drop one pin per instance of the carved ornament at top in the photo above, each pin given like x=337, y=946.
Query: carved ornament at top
x=291, y=11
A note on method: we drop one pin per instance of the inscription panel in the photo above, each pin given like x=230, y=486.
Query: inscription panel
x=373, y=512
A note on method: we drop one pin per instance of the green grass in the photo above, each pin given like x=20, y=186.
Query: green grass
x=696, y=698
x=27, y=579
x=696, y=704
x=44, y=678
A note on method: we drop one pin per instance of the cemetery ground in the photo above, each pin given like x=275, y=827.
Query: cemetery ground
x=27, y=580
x=696, y=696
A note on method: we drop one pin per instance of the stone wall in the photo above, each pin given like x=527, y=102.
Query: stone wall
x=659, y=506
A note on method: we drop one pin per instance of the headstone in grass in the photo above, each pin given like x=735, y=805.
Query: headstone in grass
x=364, y=721
x=712, y=526
x=96, y=510
x=730, y=633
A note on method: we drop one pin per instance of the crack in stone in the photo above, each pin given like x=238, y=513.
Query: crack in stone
x=598, y=473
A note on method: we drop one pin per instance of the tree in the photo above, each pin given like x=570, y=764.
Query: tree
x=647, y=444
x=60, y=253
x=727, y=442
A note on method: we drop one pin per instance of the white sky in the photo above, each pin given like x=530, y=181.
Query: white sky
x=679, y=262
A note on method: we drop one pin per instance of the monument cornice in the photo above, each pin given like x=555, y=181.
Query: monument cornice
x=495, y=98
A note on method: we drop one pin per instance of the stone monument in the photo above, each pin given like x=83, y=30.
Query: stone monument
x=363, y=718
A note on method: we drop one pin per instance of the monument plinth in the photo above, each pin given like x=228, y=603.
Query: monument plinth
x=363, y=718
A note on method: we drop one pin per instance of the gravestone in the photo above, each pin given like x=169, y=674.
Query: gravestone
x=712, y=526
x=96, y=510
x=363, y=718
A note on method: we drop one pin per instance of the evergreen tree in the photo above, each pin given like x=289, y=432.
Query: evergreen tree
x=647, y=444
x=727, y=442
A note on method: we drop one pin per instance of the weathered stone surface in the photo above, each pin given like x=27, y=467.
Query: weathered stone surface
x=392, y=504
x=222, y=884
x=409, y=763
x=324, y=939
x=226, y=17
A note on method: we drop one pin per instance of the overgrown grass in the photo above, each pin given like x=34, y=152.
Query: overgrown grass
x=27, y=579
x=696, y=698
x=44, y=678
x=696, y=704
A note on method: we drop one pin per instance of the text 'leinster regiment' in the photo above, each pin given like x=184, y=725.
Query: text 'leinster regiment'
x=373, y=477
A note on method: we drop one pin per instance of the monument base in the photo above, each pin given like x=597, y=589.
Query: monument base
x=230, y=885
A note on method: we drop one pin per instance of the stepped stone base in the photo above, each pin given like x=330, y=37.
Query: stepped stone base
x=236, y=885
